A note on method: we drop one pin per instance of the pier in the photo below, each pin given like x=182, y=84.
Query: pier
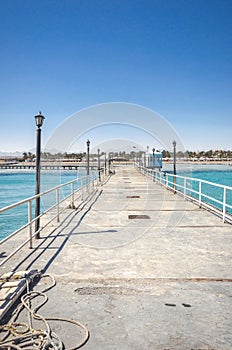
x=46, y=165
x=138, y=265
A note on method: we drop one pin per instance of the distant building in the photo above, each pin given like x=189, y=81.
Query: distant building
x=154, y=160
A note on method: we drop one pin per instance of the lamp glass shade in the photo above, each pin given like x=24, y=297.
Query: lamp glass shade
x=39, y=119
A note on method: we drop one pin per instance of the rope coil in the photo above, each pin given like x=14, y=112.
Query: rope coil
x=23, y=336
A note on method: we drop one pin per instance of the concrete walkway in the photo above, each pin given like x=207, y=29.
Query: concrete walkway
x=140, y=267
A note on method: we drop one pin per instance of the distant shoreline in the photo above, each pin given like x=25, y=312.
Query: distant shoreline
x=73, y=165
x=200, y=162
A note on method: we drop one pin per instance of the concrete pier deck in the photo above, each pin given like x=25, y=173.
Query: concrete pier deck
x=140, y=267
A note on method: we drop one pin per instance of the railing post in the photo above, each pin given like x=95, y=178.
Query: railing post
x=58, y=204
x=72, y=196
x=82, y=189
x=200, y=194
x=224, y=205
x=87, y=183
x=185, y=187
x=30, y=224
x=174, y=183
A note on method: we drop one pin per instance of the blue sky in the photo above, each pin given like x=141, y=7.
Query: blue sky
x=171, y=56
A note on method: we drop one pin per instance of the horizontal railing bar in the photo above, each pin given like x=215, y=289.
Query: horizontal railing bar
x=196, y=179
x=15, y=232
x=84, y=182
x=205, y=204
x=212, y=199
x=26, y=200
x=18, y=248
x=206, y=196
x=198, y=196
x=202, y=181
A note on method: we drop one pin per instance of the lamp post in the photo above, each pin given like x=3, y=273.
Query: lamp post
x=88, y=143
x=98, y=164
x=153, y=156
x=174, y=157
x=39, y=119
x=105, y=163
x=109, y=156
x=174, y=164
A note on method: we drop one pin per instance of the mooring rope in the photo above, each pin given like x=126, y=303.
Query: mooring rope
x=23, y=336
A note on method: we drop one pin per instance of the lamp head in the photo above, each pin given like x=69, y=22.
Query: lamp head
x=39, y=119
x=174, y=143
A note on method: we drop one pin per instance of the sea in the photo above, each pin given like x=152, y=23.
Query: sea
x=16, y=185
x=216, y=173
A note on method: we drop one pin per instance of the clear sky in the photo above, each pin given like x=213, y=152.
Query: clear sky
x=171, y=56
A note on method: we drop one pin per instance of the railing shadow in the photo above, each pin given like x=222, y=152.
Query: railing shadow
x=56, y=233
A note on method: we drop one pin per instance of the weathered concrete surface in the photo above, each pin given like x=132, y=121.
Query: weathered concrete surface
x=161, y=282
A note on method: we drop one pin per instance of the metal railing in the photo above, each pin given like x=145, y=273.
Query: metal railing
x=73, y=190
x=209, y=195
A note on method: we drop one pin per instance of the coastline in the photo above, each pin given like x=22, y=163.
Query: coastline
x=200, y=162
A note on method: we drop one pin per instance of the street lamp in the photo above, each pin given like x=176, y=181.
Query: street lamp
x=88, y=143
x=105, y=163
x=98, y=164
x=174, y=157
x=39, y=119
x=153, y=157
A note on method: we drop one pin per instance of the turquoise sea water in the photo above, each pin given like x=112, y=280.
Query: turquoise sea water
x=18, y=185
x=218, y=174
